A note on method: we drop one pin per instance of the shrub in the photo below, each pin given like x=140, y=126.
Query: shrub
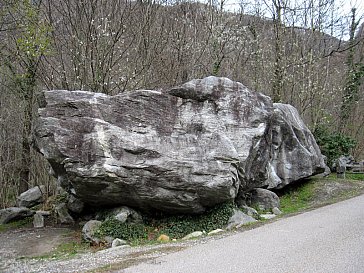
x=333, y=145
x=176, y=226
x=181, y=225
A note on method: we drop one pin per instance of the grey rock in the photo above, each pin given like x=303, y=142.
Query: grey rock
x=264, y=199
x=215, y=231
x=238, y=219
x=74, y=204
x=118, y=242
x=44, y=212
x=194, y=234
x=267, y=216
x=182, y=150
x=89, y=229
x=294, y=152
x=276, y=211
x=38, y=220
x=108, y=240
x=126, y=215
x=250, y=211
x=14, y=213
x=63, y=215
x=31, y=197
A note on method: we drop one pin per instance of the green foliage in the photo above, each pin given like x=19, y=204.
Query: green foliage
x=297, y=198
x=354, y=176
x=129, y=232
x=333, y=145
x=174, y=226
x=180, y=226
x=34, y=40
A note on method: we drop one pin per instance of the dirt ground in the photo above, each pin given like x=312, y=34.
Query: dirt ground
x=30, y=242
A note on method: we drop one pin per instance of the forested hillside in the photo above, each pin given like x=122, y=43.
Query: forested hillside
x=300, y=52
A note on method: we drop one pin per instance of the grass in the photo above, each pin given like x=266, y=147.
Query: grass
x=317, y=192
x=355, y=176
x=297, y=198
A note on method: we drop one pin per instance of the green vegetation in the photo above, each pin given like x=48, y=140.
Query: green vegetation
x=318, y=192
x=180, y=226
x=355, y=176
x=173, y=226
x=333, y=144
x=134, y=233
x=297, y=198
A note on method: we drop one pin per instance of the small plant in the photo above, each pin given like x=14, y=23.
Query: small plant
x=333, y=145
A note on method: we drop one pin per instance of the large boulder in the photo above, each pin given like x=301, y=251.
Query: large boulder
x=31, y=197
x=264, y=199
x=181, y=150
x=13, y=214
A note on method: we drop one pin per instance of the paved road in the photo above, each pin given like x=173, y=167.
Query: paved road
x=329, y=239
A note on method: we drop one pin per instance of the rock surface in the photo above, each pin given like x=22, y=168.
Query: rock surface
x=264, y=199
x=74, y=204
x=182, y=150
x=31, y=197
x=14, y=213
x=238, y=219
x=118, y=242
x=126, y=215
x=63, y=215
x=89, y=229
x=193, y=235
x=38, y=220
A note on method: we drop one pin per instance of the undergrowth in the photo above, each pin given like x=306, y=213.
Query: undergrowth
x=174, y=226
x=297, y=198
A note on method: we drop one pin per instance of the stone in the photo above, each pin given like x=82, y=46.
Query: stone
x=238, y=219
x=294, y=152
x=249, y=211
x=31, y=197
x=74, y=204
x=193, y=235
x=44, y=212
x=215, y=231
x=108, y=240
x=163, y=238
x=264, y=199
x=13, y=214
x=181, y=150
x=89, y=229
x=118, y=242
x=276, y=211
x=62, y=214
x=126, y=215
x=267, y=216
x=38, y=220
